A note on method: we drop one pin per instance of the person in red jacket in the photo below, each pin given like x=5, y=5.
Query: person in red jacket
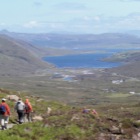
x=28, y=110
x=4, y=114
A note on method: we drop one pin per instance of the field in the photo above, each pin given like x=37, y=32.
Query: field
x=67, y=91
x=68, y=122
x=87, y=87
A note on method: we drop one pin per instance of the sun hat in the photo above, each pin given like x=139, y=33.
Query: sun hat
x=3, y=99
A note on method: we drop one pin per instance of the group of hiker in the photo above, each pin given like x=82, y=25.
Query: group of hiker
x=93, y=112
x=23, y=110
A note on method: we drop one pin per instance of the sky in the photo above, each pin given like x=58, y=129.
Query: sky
x=69, y=16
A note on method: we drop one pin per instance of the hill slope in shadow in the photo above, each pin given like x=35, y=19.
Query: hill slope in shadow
x=15, y=59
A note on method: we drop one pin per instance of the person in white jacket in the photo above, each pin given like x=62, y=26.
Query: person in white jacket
x=20, y=108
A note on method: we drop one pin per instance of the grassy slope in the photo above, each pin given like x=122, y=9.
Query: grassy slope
x=86, y=127
x=131, y=64
x=90, y=91
x=16, y=60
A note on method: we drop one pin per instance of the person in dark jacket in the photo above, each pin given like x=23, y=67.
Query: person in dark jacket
x=4, y=116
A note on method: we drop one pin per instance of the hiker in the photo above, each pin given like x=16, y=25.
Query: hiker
x=94, y=113
x=20, y=107
x=28, y=110
x=4, y=114
x=85, y=110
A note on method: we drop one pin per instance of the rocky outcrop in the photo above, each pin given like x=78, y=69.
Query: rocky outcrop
x=12, y=97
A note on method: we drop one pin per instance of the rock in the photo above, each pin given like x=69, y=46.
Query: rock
x=138, y=121
x=12, y=97
x=115, y=137
x=102, y=136
x=37, y=118
x=39, y=100
x=115, y=130
x=49, y=110
x=75, y=117
x=136, y=136
x=10, y=125
x=112, y=119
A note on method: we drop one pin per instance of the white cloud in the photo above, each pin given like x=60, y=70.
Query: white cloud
x=31, y=24
x=96, y=18
x=130, y=0
x=2, y=24
x=99, y=24
x=85, y=24
x=37, y=3
x=70, y=6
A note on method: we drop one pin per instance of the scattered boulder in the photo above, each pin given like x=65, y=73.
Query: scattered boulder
x=102, y=136
x=75, y=117
x=136, y=136
x=37, y=118
x=115, y=130
x=12, y=97
x=39, y=100
x=138, y=121
x=49, y=110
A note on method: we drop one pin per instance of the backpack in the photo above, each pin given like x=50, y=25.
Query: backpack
x=27, y=108
x=20, y=106
x=2, y=109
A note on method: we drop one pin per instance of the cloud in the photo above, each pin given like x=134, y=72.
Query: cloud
x=37, y=4
x=2, y=24
x=70, y=6
x=130, y=21
x=97, y=18
x=100, y=23
x=85, y=24
x=31, y=24
x=114, y=24
x=129, y=0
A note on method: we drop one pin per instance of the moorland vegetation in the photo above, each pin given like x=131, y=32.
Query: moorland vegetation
x=117, y=103
x=65, y=122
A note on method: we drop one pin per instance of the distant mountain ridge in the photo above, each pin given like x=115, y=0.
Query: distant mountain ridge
x=75, y=41
x=37, y=43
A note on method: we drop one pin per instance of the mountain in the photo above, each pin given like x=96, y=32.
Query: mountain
x=53, y=120
x=134, y=32
x=131, y=63
x=128, y=69
x=16, y=59
x=75, y=41
x=39, y=43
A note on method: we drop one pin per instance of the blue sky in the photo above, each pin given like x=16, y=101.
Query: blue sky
x=73, y=16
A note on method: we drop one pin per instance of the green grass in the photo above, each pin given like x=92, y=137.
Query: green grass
x=60, y=126
x=118, y=95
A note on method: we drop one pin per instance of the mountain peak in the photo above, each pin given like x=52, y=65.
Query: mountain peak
x=4, y=31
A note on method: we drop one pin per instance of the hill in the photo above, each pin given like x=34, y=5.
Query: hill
x=131, y=63
x=129, y=69
x=64, y=122
x=16, y=59
x=77, y=41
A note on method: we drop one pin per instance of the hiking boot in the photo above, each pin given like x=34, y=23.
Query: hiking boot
x=3, y=128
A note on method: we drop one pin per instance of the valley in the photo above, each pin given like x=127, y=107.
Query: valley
x=22, y=68
x=113, y=92
x=77, y=86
